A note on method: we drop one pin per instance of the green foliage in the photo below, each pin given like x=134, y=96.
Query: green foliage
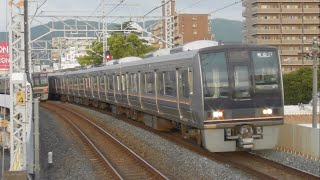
x=298, y=86
x=120, y=46
x=94, y=55
x=127, y=45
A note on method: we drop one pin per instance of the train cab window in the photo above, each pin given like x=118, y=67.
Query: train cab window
x=43, y=79
x=134, y=83
x=214, y=75
x=266, y=68
x=241, y=82
x=149, y=82
x=36, y=80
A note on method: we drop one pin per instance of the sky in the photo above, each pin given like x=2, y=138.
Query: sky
x=134, y=7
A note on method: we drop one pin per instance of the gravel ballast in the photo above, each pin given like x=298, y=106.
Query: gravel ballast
x=69, y=159
x=172, y=160
x=292, y=160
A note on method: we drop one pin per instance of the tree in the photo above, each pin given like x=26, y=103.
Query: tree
x=94, y=55
x=298, y=86
x=120, y=46
x=127, y=45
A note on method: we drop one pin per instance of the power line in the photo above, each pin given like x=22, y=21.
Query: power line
x=38, y=7
x=236, y=2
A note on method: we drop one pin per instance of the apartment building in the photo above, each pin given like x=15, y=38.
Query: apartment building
x=289, y=25
x=185, y=27
x=191, y=27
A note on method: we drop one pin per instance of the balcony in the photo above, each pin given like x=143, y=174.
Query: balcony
x=311, y=10
x=291, y=10
x=292, y=31
x=291, y=21
x=290, y=52
x=266, y=31
x=268, y=10
x=285, y=41
x=268, y=41
x=265, y=21
x=311, y=31
x=311, y=21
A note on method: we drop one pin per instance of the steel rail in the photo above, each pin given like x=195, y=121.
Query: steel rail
x=120, y=143
x=97, y=150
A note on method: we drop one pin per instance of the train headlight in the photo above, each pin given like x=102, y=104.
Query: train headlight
x=217, y=114
x=267, y=111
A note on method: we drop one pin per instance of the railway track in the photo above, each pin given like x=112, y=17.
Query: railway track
x=252, y=164
x=121, y=161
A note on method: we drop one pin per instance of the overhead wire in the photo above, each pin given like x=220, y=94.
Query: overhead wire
x=38, y=7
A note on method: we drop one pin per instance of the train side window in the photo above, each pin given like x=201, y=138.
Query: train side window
x=134, y=83
x=118, y=85
x=81, y=83
x=95, y=82
x=149, y=82
x=110, y=82
x=101, y=79
x=160, y=83
x=184, y=83
x=170, y=82
x=123, y=82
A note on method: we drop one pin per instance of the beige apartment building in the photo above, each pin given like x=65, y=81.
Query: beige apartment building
x=289, y=25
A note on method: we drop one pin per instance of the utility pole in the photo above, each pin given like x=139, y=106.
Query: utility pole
x=315, y=58
x=104, y=32
x=20, y=88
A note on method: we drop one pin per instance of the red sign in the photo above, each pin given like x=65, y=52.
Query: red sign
x=4, y=55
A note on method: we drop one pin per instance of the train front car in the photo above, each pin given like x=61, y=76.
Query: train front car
x=242, y=97
x=40, y=85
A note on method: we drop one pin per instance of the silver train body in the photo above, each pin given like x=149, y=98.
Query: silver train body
x=227, y=97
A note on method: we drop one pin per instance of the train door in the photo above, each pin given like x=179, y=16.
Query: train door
x=134, y=89
x=185, y=76
x=148, y=91
x=118, y=94
x=241, y=83
x=167, y=92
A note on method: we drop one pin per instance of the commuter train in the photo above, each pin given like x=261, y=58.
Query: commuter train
x=226, y=97
x=39, y=84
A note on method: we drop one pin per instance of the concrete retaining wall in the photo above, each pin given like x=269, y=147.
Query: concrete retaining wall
x=300, y=139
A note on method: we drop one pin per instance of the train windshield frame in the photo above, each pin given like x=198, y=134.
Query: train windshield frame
x=266, y=69
x=215, y=75
x=40, y=79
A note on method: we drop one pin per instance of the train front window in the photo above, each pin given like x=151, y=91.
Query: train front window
x=241, y=82
x=214, y=75
x=43, y=79
x=266, y=70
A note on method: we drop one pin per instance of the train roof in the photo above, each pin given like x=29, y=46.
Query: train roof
x=164, y=58
x=236, y=46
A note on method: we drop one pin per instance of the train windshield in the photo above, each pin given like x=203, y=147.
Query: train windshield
x=266, y=70
x=215, y=75
x=39, y=79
